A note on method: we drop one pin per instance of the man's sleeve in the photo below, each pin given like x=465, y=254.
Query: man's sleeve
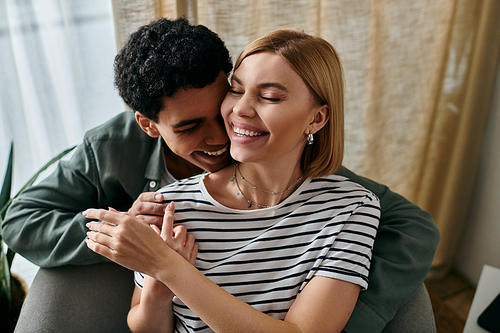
x=44, y=224
x=404, y=248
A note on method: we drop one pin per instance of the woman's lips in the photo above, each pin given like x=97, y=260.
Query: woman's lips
x=244, y=132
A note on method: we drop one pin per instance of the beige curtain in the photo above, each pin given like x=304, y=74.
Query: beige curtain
x=419, y=76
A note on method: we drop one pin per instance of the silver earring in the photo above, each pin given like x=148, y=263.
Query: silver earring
x=310, y=139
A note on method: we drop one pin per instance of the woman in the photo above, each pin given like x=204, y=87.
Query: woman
x=282, y=245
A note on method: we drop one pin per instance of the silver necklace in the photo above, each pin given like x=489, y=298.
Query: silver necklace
x=237, y=166
x=250, y=202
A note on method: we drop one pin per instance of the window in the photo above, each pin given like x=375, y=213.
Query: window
x=56, y=78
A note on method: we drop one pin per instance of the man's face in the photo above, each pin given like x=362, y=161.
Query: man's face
x=191, y=126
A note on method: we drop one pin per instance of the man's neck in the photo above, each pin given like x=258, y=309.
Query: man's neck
x=178, y=167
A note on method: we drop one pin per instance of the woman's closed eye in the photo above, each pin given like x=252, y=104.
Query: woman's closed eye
x=236, y=92
x=263, y=96
x=271, y=99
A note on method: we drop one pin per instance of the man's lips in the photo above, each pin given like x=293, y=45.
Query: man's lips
x=216, y=153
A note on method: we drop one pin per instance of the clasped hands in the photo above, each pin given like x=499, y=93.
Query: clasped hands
x=134, y=240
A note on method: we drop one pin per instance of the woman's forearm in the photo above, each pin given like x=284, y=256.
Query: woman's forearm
x=151, y=309
x=217, y=308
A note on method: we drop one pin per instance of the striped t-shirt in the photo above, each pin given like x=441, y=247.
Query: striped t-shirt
x=266, y=256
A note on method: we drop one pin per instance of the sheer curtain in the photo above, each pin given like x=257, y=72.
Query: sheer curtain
x=419, y=77
x=56, y=77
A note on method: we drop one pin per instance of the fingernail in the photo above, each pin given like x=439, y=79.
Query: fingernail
x=88, y=225
x=84, y=213
x=171, y=205
x=158, y=197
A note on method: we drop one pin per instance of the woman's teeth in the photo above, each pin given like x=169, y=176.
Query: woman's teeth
x=242, y=132
x=216, y=153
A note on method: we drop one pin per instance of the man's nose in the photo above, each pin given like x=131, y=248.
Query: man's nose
x=216, y=133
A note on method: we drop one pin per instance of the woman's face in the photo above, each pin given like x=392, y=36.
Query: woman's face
x=267, y=111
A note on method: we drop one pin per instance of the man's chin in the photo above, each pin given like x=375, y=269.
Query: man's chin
x=212, y=163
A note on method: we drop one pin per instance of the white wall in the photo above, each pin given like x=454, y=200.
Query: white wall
x=480, y=243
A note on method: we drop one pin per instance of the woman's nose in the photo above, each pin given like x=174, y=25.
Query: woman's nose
x=244, y=107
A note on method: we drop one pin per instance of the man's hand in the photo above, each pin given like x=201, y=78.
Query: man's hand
x=149, y=208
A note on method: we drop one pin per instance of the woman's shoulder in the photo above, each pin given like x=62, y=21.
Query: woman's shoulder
x=340, y=184
x=186, y=184
x=337, y=181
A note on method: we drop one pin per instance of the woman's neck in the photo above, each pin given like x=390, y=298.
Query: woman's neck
x=253, y=186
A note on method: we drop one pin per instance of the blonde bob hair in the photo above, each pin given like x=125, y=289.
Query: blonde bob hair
x=318, y=64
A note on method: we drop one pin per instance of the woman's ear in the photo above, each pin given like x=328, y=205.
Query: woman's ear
x=147, y=125
x=321, y=117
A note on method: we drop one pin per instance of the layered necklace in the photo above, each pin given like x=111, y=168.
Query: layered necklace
x=250, y=202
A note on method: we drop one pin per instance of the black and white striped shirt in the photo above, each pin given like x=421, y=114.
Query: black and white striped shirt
x=266, y=256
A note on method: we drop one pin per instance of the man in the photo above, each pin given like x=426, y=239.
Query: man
x=174, y=76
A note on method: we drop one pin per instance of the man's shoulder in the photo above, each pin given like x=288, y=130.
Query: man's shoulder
x=122, y=127
x=120, y=143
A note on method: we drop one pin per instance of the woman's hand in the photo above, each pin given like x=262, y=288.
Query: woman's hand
x=131, y=243
x=186, y=247
x=152, y=306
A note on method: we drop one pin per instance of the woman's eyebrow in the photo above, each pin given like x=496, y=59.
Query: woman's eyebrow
x=187, y=122
x=235, y=78
x=274, y=85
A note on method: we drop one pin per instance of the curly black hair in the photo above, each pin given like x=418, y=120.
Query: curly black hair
x=165, y=56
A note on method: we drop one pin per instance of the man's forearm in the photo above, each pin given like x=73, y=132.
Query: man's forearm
x=44, y=223
x=48, y=238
